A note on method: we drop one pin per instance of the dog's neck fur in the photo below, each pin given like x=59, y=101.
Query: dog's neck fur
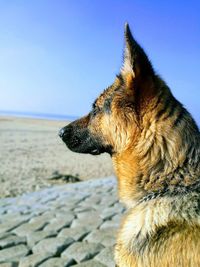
x=161, y=161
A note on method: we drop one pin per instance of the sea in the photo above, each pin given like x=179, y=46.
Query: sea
x=36, y=115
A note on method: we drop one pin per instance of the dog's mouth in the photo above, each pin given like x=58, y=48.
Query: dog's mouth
x=95, y=151
x=83, y=141
x=83, y=146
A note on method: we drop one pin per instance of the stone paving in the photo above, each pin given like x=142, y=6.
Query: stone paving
x=71, y=225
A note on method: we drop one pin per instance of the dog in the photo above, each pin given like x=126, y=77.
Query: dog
x=154, y=144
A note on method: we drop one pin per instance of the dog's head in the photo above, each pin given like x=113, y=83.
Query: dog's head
x=115, y=119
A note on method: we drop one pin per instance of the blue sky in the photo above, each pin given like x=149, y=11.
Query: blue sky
x=57, y=56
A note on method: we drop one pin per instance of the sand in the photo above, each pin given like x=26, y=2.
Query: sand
x=31, y=152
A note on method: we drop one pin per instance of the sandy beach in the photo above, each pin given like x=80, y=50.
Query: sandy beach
x=31, y=153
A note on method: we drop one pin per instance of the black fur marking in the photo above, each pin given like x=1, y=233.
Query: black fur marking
x=94, y=104
x=179, y=118
x=140, y=243
x=107, y=105
x=143, y=243
x=170, y=192
x=108, y=101
x=172, y=110
x=165, y=107
x=119, y=76
x=160, y=96
x=198, y=207
x=95, y=111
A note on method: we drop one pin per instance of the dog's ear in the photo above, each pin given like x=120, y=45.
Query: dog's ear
x=136, y=64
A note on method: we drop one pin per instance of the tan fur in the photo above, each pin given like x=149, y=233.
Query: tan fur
x=150, y=155
x=164, y=231
x=178, y=242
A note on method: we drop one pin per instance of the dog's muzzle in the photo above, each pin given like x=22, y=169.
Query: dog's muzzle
x=80, y=140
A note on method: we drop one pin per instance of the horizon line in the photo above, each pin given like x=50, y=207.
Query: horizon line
x=41, y=115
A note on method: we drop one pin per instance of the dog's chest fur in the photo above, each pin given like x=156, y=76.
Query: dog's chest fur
x=147, y=218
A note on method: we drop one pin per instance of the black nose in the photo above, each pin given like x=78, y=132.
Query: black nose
x=61, y=132
x=65, y=132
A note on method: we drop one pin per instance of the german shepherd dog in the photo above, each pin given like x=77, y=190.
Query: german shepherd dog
x=154, y=144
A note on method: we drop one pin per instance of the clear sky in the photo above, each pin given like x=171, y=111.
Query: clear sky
x=56, y=56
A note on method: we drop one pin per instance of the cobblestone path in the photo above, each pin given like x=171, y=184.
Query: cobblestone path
x=71, y=225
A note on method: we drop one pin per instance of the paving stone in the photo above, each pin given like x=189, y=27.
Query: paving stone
x=106, y=256
x=8, y=226
x=58, y=223
x=49, y=213
x=41, y=218
x=82, y=251
x=30, y=227
x=91, y=200
x=12, y=241
x=34, y=237
x=76, y=233
x=89, y=222
x=68, y=202
x=108, y=213
x=110, y=224
x=91, y=263
x=73, y=198
x=55, y=205
x=39, y=210
x=64, y=213
x=48, y=198
x=5, y=202
x=13, y=252
x=88, y=214
x=3, y=211
x=13, y=217
x=5, y=235
x=18, y=209
x=106, y=237
x=33, y=260
x=58, y=262
x=119, y=207
x=83, y=209
x=98, y=207
x=117, y=219
x=9, y=264
x=86, y=207
x=52, y=246
x=108, y=201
